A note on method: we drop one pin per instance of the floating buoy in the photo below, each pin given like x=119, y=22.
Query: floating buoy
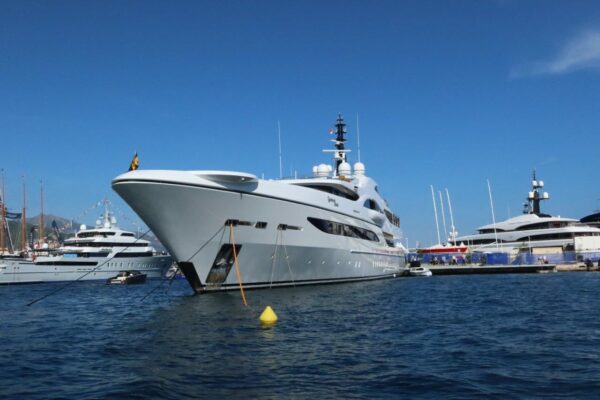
x=268, y=317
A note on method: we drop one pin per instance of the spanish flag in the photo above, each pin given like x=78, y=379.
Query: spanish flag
x=135, y=163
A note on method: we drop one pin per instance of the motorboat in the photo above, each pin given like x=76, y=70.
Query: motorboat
x=127, y=278
x=419, y=271
x=331, y=227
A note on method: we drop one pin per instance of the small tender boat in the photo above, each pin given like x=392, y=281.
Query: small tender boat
x=419, y=271
x=127, y=278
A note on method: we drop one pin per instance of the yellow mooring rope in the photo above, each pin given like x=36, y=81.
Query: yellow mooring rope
x=237, y=267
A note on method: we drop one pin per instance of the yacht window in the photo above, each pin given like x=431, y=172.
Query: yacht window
x=105, y=244
x=492, y=230
x=546, y=236
x=237, y=222
x=336, y=228
x=484, y=241
x=372, y=205
x=334, y=191
x=131, y=254
x=260, y=225
x=128, y=234
x=94, y=234
x=393, y=218
x=285, y=227
x=544, y=225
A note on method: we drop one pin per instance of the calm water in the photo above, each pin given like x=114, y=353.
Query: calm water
x=503, y=336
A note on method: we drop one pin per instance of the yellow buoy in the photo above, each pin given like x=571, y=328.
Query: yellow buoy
x=268, y=317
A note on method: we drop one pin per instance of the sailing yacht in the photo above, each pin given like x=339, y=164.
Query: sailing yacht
x=535, y=231
x=331, y=227
x=98, y=253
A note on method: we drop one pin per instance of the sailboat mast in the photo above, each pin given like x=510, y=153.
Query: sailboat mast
x=493, y=216
x=437, y=226
x=24, y=221
x=453, y=234
x=41, y=236
x=3, y=220
x=443, y=214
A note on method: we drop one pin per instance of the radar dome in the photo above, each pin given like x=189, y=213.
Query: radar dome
x=359, y=168
x=315, y=170
x=322, y=170
x=82, y=227
x=344, y=169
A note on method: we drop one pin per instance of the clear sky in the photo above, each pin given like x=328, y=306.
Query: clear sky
x=448, y=93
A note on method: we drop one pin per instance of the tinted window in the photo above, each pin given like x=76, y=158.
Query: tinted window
x=336, y=228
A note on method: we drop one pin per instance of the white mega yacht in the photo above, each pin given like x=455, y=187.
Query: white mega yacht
x=332, y=227
x=93, y=254
x=535, y=231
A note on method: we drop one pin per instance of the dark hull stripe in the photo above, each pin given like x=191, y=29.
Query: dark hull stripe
x=282, y=284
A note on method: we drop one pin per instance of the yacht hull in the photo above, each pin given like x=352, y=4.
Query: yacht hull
x=275, y=244
x=17, y=271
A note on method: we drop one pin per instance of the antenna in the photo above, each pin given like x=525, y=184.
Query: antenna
x=437, y=226
x=280, y=158
x=493, y=216
x=535, y=196
x=453, y=234
x=357, y=137
x=443, y=214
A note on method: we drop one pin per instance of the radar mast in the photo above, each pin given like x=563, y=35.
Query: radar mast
x=535, y=197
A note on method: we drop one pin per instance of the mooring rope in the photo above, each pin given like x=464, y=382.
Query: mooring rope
x=287, y=259
x=237, y=267
x=274, y=258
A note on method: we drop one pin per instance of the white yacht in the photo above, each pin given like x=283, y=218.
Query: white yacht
x=332, y=227
x=535, y=231
x=93, y=254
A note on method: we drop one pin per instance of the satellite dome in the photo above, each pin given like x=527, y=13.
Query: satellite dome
x=359, y=168
x=344, y=169
x=322, y=170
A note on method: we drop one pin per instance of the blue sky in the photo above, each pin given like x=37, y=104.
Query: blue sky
x=449, y=94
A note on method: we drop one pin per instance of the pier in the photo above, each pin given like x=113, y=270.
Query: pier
x=489, y=269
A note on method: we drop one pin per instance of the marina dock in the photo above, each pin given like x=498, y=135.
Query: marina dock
x=489, y=269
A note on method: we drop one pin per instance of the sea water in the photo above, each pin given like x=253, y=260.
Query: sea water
x=492, y=336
